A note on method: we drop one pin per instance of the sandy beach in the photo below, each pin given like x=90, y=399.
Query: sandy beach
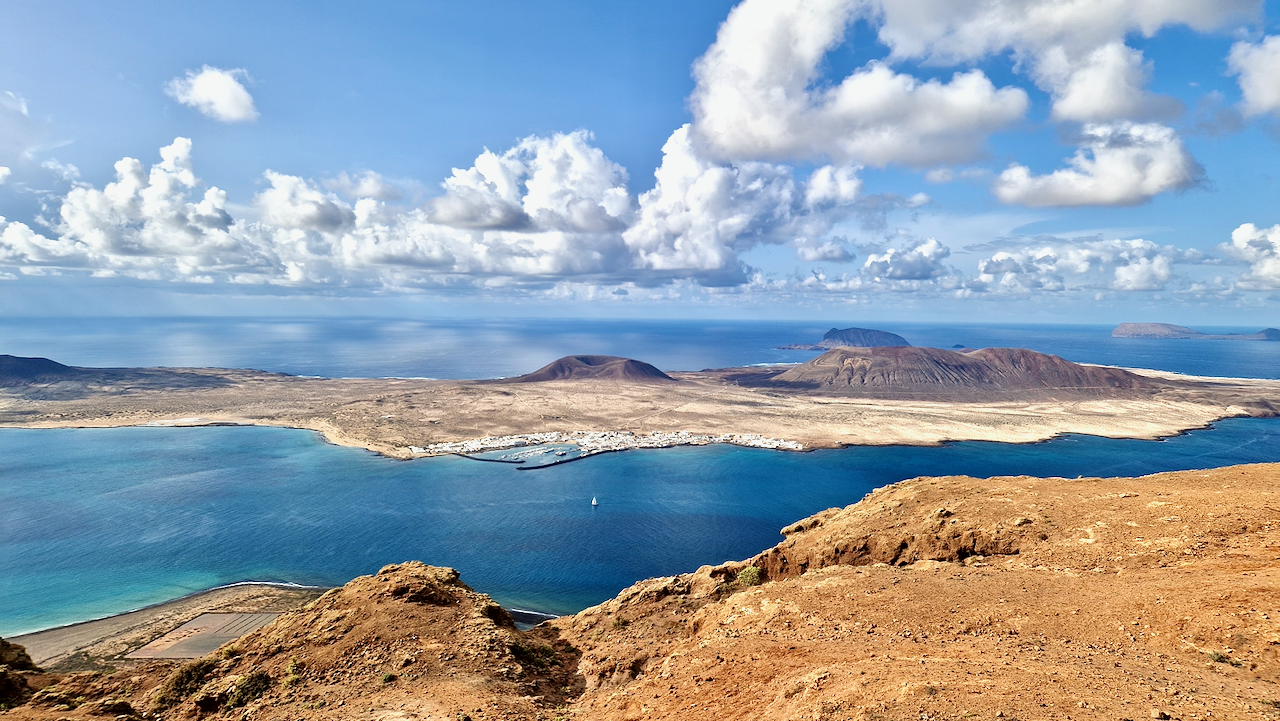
x=103, y=643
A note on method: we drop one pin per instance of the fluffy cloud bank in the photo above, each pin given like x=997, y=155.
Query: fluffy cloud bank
x=557, y=210
x=1057, y=264
x=761, y=94
x=756, y=96
x=1074, y=50
x=549, y=208
x=215, y=93
x=1119, y=164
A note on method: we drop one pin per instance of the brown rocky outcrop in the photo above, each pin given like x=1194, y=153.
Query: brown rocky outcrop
x=15, y=657
x=13, y=687
x=412, y=633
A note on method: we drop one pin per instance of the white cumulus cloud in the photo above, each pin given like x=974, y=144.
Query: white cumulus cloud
x=215, y=93
x=1118, y=164
x=4, y=174
x=1258, y=68
x=1106, y=84
x=701, y=213
x=756, y=96
x=1260, y=247
x=829, y=251
x=919, y=261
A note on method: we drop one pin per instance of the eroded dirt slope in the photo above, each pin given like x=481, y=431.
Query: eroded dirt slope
x=963, y=598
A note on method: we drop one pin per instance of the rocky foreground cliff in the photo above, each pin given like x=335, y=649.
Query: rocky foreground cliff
x=935, y=598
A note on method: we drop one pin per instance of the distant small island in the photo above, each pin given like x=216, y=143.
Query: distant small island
x=1168, y=330
x=852, y=338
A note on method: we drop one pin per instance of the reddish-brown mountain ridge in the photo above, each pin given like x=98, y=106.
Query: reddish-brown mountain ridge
x=595, y=367
x=906, y=370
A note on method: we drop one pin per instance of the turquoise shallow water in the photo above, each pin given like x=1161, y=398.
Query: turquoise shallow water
x=99, y=521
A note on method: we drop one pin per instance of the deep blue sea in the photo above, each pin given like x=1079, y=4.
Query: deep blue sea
x=99, y=521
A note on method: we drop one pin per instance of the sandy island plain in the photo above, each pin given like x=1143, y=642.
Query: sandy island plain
x=406, y=418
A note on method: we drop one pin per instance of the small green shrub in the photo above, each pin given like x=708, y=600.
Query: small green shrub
x=620, y=623
x=250, y=687
x=388, y=677
x=293, y=673
x=184, y=681
x=537, y=656
x=1219, y=657
x=749, y=576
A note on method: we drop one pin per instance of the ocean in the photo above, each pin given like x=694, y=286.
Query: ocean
x=456, y=349
x=100, y=521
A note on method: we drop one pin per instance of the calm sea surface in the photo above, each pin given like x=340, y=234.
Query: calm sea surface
x=99, y=521
x=345, y=347
x=95, y=522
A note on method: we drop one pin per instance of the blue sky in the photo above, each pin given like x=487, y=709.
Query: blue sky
x=834, y=158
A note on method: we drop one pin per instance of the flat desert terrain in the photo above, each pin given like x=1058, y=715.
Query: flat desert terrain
x=393, y=416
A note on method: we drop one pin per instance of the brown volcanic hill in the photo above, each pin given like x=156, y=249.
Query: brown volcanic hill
x=412, y=641
x=16, y=370
x=595, y=367
x=925, y=371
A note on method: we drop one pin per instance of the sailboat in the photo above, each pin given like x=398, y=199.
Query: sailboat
x=594, y=502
